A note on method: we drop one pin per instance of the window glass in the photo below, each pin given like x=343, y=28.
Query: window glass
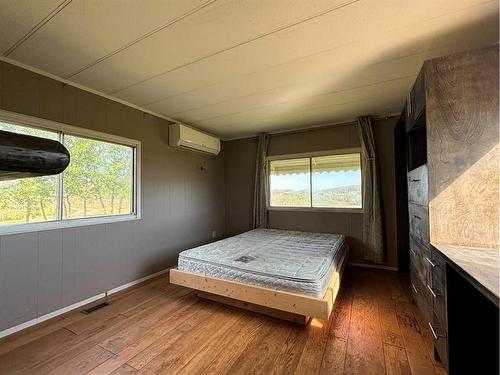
x=290, y=183
x=98, y=180
x=336, y=181
x=42, y=133
x=28, y=200
x=331, y=181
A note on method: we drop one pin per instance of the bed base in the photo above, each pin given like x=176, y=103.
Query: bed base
x=284, y=315
x=285, y=305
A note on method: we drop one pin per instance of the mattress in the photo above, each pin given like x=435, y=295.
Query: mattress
x=297, y=262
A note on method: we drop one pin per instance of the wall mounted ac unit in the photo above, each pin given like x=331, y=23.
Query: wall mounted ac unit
x=185, y=137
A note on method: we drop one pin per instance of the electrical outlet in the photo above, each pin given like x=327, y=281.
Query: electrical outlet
x=214, y=234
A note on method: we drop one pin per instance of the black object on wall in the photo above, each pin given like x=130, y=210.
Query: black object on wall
x=28, y=156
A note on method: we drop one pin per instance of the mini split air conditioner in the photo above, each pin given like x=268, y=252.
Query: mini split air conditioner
x=185, y=137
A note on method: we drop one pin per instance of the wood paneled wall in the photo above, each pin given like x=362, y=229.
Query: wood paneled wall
x=462, y=148
x=181, y=205
x=239, y=176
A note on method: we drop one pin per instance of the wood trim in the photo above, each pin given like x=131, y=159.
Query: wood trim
x=284, y=315
x=285, y=301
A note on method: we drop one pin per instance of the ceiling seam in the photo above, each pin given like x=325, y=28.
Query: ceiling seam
x=146, y=105
x=287, y=101
x=276, y=65
x=311, y=127
x=141, y=38
x=279, y=29
x=37, y=27
x=197, y=124
x=287, y=62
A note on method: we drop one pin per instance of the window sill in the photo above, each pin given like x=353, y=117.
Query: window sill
x=61, y=224
x=317, y=209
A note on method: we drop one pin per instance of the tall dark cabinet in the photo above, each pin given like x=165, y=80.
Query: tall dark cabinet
x=452, y=164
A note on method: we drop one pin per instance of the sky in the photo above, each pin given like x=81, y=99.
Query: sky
x=300, y=181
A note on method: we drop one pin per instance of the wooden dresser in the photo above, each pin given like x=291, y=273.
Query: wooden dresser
x=452, y=130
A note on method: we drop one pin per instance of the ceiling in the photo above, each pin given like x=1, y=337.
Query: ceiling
x=236, y=68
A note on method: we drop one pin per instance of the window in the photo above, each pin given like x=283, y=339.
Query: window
x=99, y=183
x=323, y=182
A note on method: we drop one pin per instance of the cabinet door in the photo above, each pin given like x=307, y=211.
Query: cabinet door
x=419, y=223
x=415, y=103
x=417, y=186
x=418, y=96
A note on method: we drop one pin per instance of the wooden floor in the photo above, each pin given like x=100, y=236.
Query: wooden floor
x=162, y=328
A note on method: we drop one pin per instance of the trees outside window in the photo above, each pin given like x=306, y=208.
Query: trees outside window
x=99, y=181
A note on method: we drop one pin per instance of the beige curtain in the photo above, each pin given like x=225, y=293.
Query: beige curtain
x=373, y=238
x=260, y=190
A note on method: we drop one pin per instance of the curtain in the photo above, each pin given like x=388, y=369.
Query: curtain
x=373, y=239
x=260, y=189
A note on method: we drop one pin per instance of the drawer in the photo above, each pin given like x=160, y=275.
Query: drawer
x=420, y=296
x=439, y=333
x=438, y=272
x=417, y=186
x=419, y=264
x=419, y=223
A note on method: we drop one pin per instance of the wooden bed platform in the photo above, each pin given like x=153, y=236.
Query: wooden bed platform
x=294, y=307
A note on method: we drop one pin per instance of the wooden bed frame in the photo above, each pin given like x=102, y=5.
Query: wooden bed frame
x=284, y=305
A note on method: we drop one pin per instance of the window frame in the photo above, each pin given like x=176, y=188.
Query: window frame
x=310, y=155
x=64, y=129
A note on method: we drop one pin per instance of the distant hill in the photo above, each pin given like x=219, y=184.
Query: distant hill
x=341, y=196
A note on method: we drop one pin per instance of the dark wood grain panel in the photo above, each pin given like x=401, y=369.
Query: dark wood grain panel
x=462, y=148
x=421, y=296
x=419, y=261
x=439, y=329
x=419, y=223
x=417, y=186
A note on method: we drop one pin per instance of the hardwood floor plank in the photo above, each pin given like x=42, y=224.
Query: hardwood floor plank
x=201, y=315
x=291, y=351
x=86, y=340
x=364, y=353
x=174, y=358
x=24, y=357
x=217, y=348
x=155, y=332
x=161, y=328
x=226, y=358
x=333, y=362
x=117, y=306
x=314, y=348
x=341, y=315
x=262, y=352
x=84, y=362
x=417, y=351
x=391, y=333
x=396, y=360
x=125, y=370
x=166, y=318
x=26, y=336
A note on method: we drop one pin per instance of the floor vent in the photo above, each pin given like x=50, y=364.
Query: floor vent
x=95, y=308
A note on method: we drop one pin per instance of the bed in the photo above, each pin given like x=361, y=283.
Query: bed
x=288, y=274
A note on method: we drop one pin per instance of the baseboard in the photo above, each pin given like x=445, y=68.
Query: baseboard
x=135, y=282
x=53, y=314
x=374, y=266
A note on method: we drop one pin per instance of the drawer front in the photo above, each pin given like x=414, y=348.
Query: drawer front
x=417, y=186
x=420, y=296
x=419, y=223
x=418, y=260
x=439, y=332
x=439, y=286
